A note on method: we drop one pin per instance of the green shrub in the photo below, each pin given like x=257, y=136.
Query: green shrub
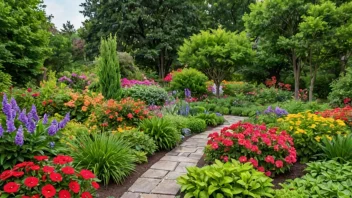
x=196, y=125
x=234, y=88
x=191, y=79
x=209, y=118
x=179, y=122
x=128, y=68
x=140, y=156
x=164, y=134
x=195, y=110
x=152, y=95
x=139, y=141
x=286, y=193
x=231, y=179
x=220, y=119
x=294, y=106
x=341, y=89
x=5, y=81
x=236, y=111
x=108, y=156
x=339, y=148
x=324, y=179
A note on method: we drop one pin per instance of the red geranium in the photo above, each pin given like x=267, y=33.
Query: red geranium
x=11, y=187
x=41, y=158
x=86, y=195
x=74, y=186
x=48, y=190
x=17, y=173
x=48, y=169
x=62, y=159
x=35, y=167
x=87, y=174
x=95, y=185
x=64, y=194
x=68, y=170
x=6, y=174
x=56, y=177
x=31, y=182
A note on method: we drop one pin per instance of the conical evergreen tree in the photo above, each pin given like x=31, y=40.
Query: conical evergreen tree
x=109, y=69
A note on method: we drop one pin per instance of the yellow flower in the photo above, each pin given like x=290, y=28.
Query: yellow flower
x=313, y=126
x=280, y=120
x=120, y=129
x=328, y=137
x=298, y=123
x=300, y=131
x=317, y=138
x=291, y=128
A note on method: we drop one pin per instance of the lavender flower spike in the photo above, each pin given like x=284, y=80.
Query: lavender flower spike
x=10, y=125
x=31, y=126
x=187, y=93
x=1, y=131
x=15, y=106
x=34, y=113
x=64, y=122
x=53, y=129
x=45, y=119
x=19, y=137
x=4, y=100
x=6, y=108
x=52, y=144
x=23, y=118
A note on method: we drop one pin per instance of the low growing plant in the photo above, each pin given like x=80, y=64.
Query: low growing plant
x=344, y=114
x=269, y=150
x=196, y=125
x=339, y=148
x=151, y=95
x=231, y=179
x=139, y=141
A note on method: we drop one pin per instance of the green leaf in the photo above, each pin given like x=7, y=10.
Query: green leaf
x=211, y=189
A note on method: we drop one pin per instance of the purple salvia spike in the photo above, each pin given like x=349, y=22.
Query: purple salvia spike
x=45, y=119
x=31, y=126
x=23, y=118
x=10, y=125
x=34, y=113
x=52, y=130
x=19, y=137
x=15, y=106
x=1, y=131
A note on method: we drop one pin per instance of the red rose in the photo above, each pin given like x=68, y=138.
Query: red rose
x=35, y=167
x=279, y=164
x=55, y=177
x=242, y=159
x=41, y=158
x=74, y=186
x=17, y=174
x=95, y=185
x=86, y=174
x=31, y=182
x=68, y=170
x=86, y=195
x=64, y=194
x=48, y=190
x=6, y=174
x=11, y=187
x=48, y=169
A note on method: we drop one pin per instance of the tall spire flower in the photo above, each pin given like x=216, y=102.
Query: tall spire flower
x=1, y=131
x=10, y=125
x=19, y=136
x=45, y=119
x=54, y=128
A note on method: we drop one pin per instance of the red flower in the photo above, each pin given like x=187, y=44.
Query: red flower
x=269, y=159
x=29, y=90
x=35, y=167
x=17, y=174
x=279, y=164
x=23, y=164
x=48, y=190
x=6, y=174
x=55, y=177
x=62, y=159
x=268, y=173
x=25, y=196
x=214, y=145
x=36, y=94
x=41, y=158
x=86, y=195
x=64, y=194
x=68, y=170
x=261, y=169
x=87, y=174
x=44, y=178
x=48, y=169
x=254, y=162
x=35, y=196
x=346, y=100
x=243, y=159
x=226, y=159
x=130, y=116
x=74, y=186
x=31, y=182
x=95, y=185
x=44, y=103
x=11, y=187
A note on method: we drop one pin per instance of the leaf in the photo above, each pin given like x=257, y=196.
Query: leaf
x=211, y=189
x=227, y=191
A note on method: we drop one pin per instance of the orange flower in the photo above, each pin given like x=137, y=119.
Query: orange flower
x=145, y=112
x=107, y=112
x=119, y=119
x=86, y=102
x=136, y=111
x=111, y=116
x=111, y=103
x=84, y=108
x=70, y=103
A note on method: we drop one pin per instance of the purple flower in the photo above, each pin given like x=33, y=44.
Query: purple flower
x=45, y=119
x=269, y=110
x=280, y=112
x=1, y=131
x=64, y=122
x=15, y=106
x=52, y=144
x=31, y=126
x=34, y=113
x=74, y=75
x=83, y=77
x=187, y=93
x=64, y=78
x=10, y=123
x=19, y=137
x=23, y=118
x=53, y=129
x=6, y=108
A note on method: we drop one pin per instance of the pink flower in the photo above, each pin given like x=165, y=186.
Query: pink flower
x=226, y=159
x=279, y=164
x=254, y=162
x=261, y=169
x=243, y=159
x=269, y=159
x=215, y=145
x=268, y=173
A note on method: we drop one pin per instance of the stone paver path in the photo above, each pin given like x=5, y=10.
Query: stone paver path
x=160, y=180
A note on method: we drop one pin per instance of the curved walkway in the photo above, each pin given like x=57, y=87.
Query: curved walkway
x=160, y=180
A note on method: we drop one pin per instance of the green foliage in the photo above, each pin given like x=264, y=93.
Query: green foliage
x=195, y=110
x=211, y=119
x=179, y=122
x=108, y=156
x=128, y=68
x=109, y=69
x=237, y=88
x=287, y=193
x=341, y=89
x=191, y=79
x=339, y=148
x=141, y=157
x=231, y=179
x=151, y=95
x=60, y=58
x=293, y=106
x=24, y=39
x=196, y=125
x=217, y=53
x=162, y=131
x=5, y=82
x=139, y=141
x=324, y=179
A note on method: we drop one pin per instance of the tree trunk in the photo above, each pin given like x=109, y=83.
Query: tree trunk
x=296, y=73
x=311, y=87
x=217, y=89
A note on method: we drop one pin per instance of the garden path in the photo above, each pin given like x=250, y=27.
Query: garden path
x=160, y=180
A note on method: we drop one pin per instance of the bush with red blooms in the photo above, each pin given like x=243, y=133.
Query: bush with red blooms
x=269, y=150
x=344, y=114
x=45, y=178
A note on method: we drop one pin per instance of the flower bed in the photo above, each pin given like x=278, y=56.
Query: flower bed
x=269, y=150
x=344, y=114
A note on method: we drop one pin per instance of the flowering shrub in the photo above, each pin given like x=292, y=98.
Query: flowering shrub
x=308, y=128
x=267, y=149
x=25, y=134
x=344, y=114
x=44, y=178
x=113, y=114
x=269, y=116
x=82, y=105
x=191, y=79
x=169, y=76
x=76, y=81
x=129, y=83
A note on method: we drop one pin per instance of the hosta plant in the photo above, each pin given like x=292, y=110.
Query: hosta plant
x=324, y=179
x=308, y=129
x=267, y=149
x=23, y=135
x=42, y=177
x=231, y=179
